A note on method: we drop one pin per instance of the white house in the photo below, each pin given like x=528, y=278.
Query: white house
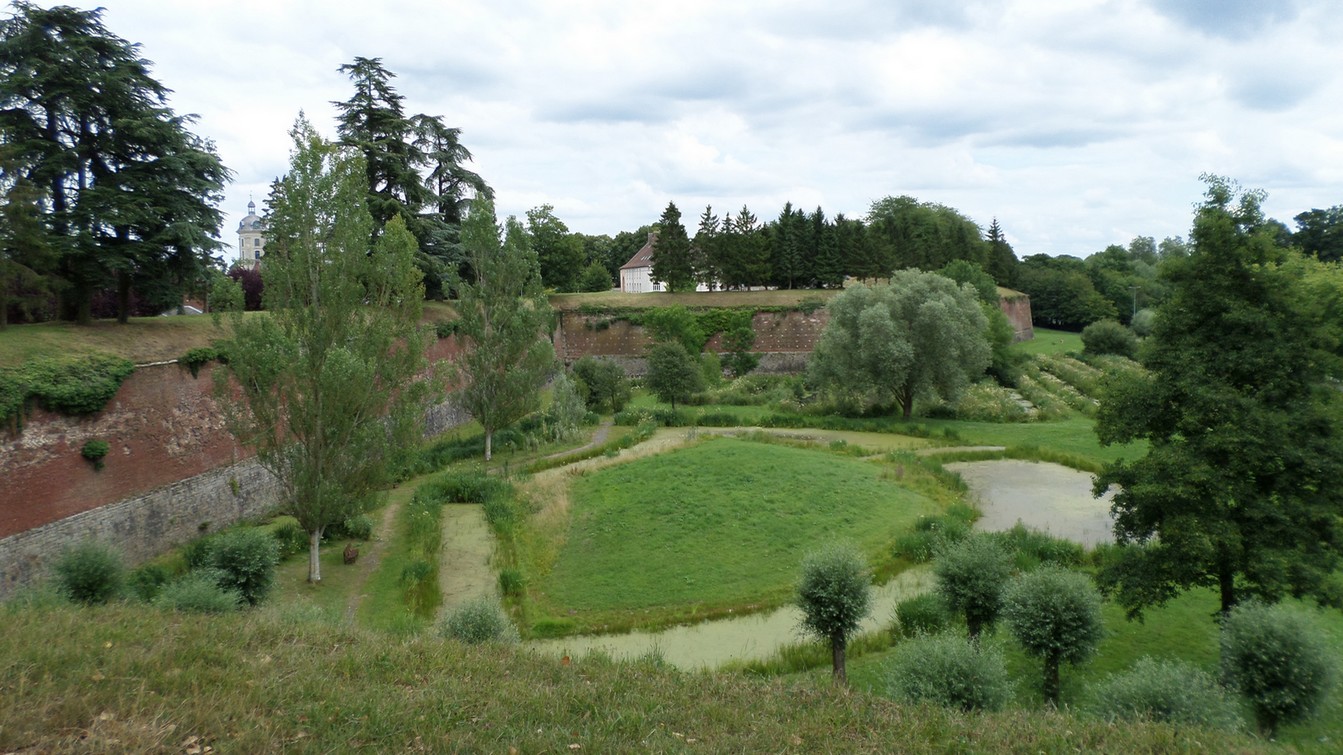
x=636, y=276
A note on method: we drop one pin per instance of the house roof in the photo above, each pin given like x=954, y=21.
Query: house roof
x=643, y=257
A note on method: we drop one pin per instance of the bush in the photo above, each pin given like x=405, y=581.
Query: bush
x=1032, y=548
x=148, y=580
x=1109, y=337
x=989, y=402
x=357, y=527
x=922, y=614
x=289, y=535
x=246, y=560
x=1056, y=615
x=931, y=534
x=1143, y=322
x=90, y=573
x=595, y=278
x=199, y=592
x=1279, y=661
x=94, y=451
x=1166, y=691
x=950, y=671
x=606, y=388
x=834, y=593
x=970, y=578
x=480, y=620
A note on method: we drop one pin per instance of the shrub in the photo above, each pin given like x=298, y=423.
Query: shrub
x=1279, y=661
x=970, y=578
x=607, y=387
x=1031, y=548
x=834, y=593
x=950, y=671
x=148, y=580
x=289, y=535
x=595, y=278
x=199, y=592
x=1056, y=615
x=480, y=620
x=196, y=358
x=567, y=409
x=712, y=368
x=1166, y=691
x=989, y=402
x=66, y=385
x=922, y=614
x=357, y=527
x=1143, y=322
x=90, y=573
x=1109, y=337
x=246, y=560
x=94, y=451
x=931, y=534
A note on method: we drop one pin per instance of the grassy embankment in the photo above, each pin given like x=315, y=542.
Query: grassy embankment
x=129, y=679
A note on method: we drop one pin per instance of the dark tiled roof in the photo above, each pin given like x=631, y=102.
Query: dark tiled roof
x=643, y=257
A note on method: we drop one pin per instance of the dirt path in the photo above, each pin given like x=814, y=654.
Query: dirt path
x=369, y=557
x=598, y=438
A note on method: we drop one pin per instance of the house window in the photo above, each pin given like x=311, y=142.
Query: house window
x=256, y=242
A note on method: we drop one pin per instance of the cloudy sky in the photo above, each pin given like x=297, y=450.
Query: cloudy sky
x=1077, y=123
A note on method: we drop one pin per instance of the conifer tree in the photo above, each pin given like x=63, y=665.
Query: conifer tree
x=671, y=252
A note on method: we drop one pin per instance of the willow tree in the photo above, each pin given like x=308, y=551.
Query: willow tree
x=324, y=383
x=504, y=321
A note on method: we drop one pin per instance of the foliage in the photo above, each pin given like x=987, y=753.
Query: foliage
x=1031, y=548
x=1238, y=488
x=253, y=286
x=329, y=384
x=504, y=320
x=559, y=253
x=66, y=385
x=195, y=358
x=1167, y=691
x=933, y=534
x=989, y=402
x=738, y=342
x=922, y=614
x=128, y=195
x=1062, y=294
x=887, y=345
x=27, y=259
x=970, y=578
x=246, y=559
x=479, y=620
x=834, y=593
x=595, y=278
x=675, y=324
x=711, y=369
x=1056, y=615
x=603, y=383
x=95, y=451
x=356, y=527
x=567, y=409
x=199, y=591
x=1143, y=322
x=1279, y=660
x=925, y=235
x=147, y=580
x=950, y=671
x=89, y=572
x=965, y=271
x=1109, y=337
x=673, y=374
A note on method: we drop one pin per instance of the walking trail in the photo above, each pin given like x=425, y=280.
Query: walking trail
x=369, y=558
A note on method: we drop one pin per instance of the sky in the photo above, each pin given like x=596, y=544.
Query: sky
x=1076, y=123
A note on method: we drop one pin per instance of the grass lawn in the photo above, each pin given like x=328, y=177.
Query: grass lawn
x=1048, y=341
x=721, y=523
x=1076, y=436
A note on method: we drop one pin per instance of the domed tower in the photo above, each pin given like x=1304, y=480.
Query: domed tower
x=251, y=238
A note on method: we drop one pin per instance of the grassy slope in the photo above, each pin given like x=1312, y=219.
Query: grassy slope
x=143, y=339
x=721, y=523
x=1048, y=341
x=130, y=679
x=618, y=299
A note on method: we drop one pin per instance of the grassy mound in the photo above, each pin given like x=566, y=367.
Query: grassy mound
x=121, y=679
x=721, y=523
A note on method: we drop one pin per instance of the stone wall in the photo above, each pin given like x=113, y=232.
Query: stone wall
x=172, y=467
x=783, y=338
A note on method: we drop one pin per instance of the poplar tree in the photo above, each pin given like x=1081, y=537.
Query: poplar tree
x=504, y=324
x=324, y=382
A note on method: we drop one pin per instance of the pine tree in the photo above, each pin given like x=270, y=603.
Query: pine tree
x=829, y=262
x=704, y=249
x=671, y=252
x=1002, y=262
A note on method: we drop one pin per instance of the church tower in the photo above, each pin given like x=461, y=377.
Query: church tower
x=251, y=238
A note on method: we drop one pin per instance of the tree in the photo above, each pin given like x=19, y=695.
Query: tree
x=829, y=267
x=1062, y=294
x=704, y=249
x=595, y=279
x=1320, y=233
x=926, y=235
x=451, y=185
x=127, y=193
x=559, y=252
x=324, y=385
x=885, y=345
x=504, y=320
x=1238, y=490
x=1279, y=661
x=970, y=578
x=26, y=258
x=834, y=593
x=743, y=254
x=1109, y=337
x=671, y=252
x=673, y=374
x=1056, y=615
x=1002, y=261
x=374, y=122
x=603, y=384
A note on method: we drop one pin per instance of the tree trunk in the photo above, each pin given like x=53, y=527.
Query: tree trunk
x=1052, y=680
x=974, y=626
x=907, y=404
x=489, y=442
x=123, y=297
x=837, y=661
x=1226, y=580
x=314, y=556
